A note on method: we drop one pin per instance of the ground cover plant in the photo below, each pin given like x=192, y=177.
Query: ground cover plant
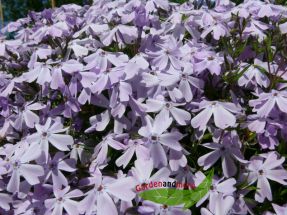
x=98, y=99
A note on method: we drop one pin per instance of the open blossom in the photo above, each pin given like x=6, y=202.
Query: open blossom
x=7, y=45
x=280, y=210
x=106, y=79
x=188, y=84
x=221, y=112
x=55, y=167
x=40, y=53
x=152, y=78
x=213, y=22
x=49, y=133
x=57, y=81
x=97, y=101
x=177, y=159
x=208, y=60
x=256, y=28
x=41, y=73
x=223, y=205
x=55, y=30
x=79, y=49
x=63, y=200
x=228, y=151
x=283, y=28
x=266, y=102
x=27, y=116
x=133, y=147
x=169, y=53
x=152, y=5
x=186, y=175
x=100, y=60
x=5, y=200
x=75, y=69
x=242, y=205
x=264, y=167
x=79, y=152
x=20, y=167
x=143, y=170
x=253, y=76
x=100, y=198
x=218, y=187
x=168, y=109
x=268, y=129
x=149, y=207
x=99, y=122
x=122, y=34
x=101, y=150
x=156, y=136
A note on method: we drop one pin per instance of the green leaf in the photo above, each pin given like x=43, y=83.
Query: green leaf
x=233, y=77
x=165, y=196
x=283, y=192
x=261, y=69
x=179, y=1
x=268, y=47
x=199, y=192
x=172, y=196
x=240, y=48
x=252, y=188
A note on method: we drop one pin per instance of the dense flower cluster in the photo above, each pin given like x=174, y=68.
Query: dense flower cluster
x=95, y=100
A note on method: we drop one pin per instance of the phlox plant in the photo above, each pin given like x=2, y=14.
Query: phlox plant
x=97, y=99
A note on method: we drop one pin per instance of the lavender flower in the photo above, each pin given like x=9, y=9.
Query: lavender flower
x=262, y=168
x=97, y=99
x=49, y=133
x=63, y=200
x=154, y=132
x=228, y=151
x=266, y=102
x=221, y=111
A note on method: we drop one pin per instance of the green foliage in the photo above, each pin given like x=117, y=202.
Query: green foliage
x=172, y=197
x=198, y=193
x=233, y=77
x=179, y=1
x=281, y=2
x=165, y=196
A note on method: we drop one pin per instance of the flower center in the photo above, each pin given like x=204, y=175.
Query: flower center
x=154, y=138
x=164, y=206
x=100, y=188
x=184, y=76
x=16, y=165
x=107, y=71
x=168, y=105
x=52, y=165
x=261, y=172
x=212, y=187
x=36, y=211
x=210, y=58
x=102, y=54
